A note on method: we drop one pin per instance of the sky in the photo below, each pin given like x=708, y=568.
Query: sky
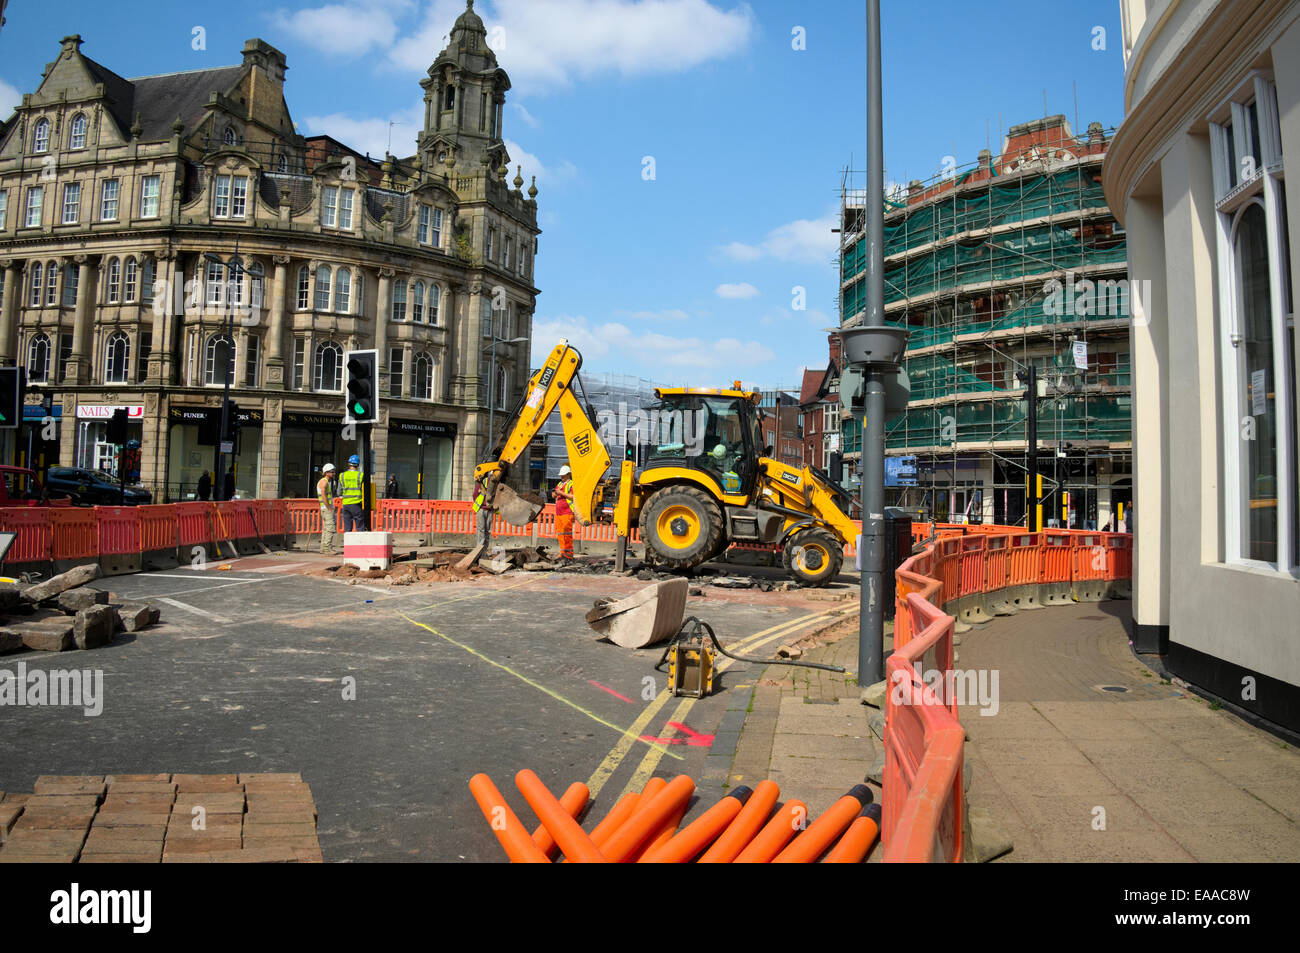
x=689, y=154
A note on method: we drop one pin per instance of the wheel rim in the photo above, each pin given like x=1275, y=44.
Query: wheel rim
x=812, y=558
x=678, y=527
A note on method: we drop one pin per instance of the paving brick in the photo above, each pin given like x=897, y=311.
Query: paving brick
x=264, y=829
x=277, y=787
x=284, y=776
x=8, y=856
x=211, y=802
x=48, y=841
x=256, y=855
x=178, y=832
x=150, y=845
x=305, y=843
x=309, y=855
x=207, y=782
x=144, y=857
x=131, y=819
x=178, y=820
x=12, y=798
x=116, y=778
x=208, y=842
x=69, y=784
x=186, y=857
x=142, y=787
x=135, y=803
x=44, y=803
x=51, y=820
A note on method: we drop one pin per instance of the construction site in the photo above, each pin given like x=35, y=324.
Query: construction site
x=1010, y=263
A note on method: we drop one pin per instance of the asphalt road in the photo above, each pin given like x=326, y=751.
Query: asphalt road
x=250, y=669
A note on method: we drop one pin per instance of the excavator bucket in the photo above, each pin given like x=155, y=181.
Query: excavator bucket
x=514, y=509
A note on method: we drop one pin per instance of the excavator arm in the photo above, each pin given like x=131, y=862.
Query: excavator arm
x=548, y=390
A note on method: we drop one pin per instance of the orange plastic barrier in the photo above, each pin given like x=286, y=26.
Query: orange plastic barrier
x=1119, y=556
x=234, y=520
x=1023, y=560
x=404, y=516
x=303, y=517
x=996, y=561
x=924, y=808
x=33, y=525
x=157, y=527
x=119, y=530
x=1054, y=561
x=270, y=518
x=75, y=533
x=972, y=564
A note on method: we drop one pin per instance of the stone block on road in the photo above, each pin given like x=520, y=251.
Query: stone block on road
x=94, y=627
x=74, y=577
x=72, y=601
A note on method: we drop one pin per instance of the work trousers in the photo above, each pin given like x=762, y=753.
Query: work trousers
x=354, y=518
x=483, y=525
x=326, y=529
x=564, y=534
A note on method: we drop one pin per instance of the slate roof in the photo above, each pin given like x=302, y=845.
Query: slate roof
x=160, y=99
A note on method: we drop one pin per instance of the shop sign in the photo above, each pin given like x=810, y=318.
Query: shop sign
x=424, y=428
x=105, y=411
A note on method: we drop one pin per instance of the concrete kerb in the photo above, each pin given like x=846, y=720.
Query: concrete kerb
x=1023, y=597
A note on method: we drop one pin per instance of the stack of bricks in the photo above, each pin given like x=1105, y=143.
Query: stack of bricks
x=152, y=818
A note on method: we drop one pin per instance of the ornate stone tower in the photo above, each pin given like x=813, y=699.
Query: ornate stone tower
x=464, y=95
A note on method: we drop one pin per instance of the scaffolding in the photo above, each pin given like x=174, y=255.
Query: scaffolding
x=1009, y=262
x=616, y=403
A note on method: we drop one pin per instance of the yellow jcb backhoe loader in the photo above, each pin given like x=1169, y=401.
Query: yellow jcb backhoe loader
x=708, y=480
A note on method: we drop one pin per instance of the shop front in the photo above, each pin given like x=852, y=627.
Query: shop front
x=93, y=451
x=38, y=438
x=192, y=451
x=420, y=457
x=308, y=442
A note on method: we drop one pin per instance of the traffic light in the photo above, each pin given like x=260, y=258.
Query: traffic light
x=13, y=381
x=232, y=422
x=117, y=427
x=362, y=387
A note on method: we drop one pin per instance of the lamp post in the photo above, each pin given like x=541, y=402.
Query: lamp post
x=235, y=273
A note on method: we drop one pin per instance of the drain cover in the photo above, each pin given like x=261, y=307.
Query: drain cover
x=1113, y=688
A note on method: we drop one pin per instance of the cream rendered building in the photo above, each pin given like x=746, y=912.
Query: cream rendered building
x=1197, y=173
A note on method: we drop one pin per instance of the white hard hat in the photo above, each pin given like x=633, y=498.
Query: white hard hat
x=328, y=468
x=565, y=471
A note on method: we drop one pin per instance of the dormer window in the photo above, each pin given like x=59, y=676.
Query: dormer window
x=229, y=137
x=229, y=196
x=41, y=136
x=77, y=133
x=336, y=207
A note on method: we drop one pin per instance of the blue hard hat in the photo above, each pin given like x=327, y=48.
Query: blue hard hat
x=354, y=461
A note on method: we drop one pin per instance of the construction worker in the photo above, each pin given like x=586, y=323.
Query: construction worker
x=482, y=515
x=564, y=512
x=325, y=494
x=353, y=496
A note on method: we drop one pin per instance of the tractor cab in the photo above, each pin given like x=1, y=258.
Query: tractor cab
x=712, y=430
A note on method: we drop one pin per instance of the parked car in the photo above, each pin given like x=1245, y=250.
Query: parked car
x=93, y=487
x=20, y=487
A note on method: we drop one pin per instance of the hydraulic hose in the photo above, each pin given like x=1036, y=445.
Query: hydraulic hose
x=696, y=625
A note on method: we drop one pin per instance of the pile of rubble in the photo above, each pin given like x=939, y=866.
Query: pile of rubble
x=63, y=612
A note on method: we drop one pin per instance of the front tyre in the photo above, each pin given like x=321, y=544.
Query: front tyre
x=682, y=526
x=813, y=557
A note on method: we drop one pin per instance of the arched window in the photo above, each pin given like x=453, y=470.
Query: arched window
x=229, y=136
x=130, y=277
x=41, y=136
x=38, y=284
x=304, y=288
x=417, y=303
x=77, y=132
x=51, y=283
x=219, y=361
x=114, y=281
x=329, y=367
x=281, y=164
x=323, y=277
x=38, y=359
x=342, y=290
x=117, y=358
x=503, y=382
x=422, y=386
x=399, y=301
x=435, y=296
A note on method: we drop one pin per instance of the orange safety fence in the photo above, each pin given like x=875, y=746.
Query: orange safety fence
x=75, y=533
x=1054, y=558
x=303, y=517
x=948, y=568
x=1023, y=569
x=35, y=533
x=1119, y=556
x=270, y=517
x=158, y=527
x=972, y=564
x=1088, y=558
x=119, y=530
x=996, y=561
x=233, y=519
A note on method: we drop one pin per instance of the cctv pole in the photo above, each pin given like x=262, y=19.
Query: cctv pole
x=871, y=621
x=1033, y=482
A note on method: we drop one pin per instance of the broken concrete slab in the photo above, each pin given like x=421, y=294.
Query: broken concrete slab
x=72, y=601
x=10, y=640
x=136, y=616
x=874, y=695
x=986, y=838
x=74, y=577
x=644, y=618
x=48, y=638
x=95, y=626
x=471, y=557
x=11, y=594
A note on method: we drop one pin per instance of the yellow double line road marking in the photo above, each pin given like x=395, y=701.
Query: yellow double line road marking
x=650, y=762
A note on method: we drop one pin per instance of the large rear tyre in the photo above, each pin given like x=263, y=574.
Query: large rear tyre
x=813, y=557
x=682, y=527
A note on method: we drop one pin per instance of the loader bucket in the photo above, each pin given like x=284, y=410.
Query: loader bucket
x=513, y=508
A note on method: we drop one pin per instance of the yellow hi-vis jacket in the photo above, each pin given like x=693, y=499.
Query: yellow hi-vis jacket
x=350, y=485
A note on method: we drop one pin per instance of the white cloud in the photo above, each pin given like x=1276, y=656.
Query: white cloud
x=528, y=118
x=619, y=343
x=806, y=241
x=533, y=166
x=742, y=290
x=370, y=135
x=668, y=314
x=345, y=29
x=9, y=99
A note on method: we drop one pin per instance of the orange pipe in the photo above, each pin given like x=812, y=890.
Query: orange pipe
x=512, y=834
x=783, y=826
x=615, y=818
x=699, y=833
x=573, y=801
x=821, y=833
x=661, y=836
x=648, y=819
x=652, y=787
x=857, y=840
x=573, y=840
x=747, y=823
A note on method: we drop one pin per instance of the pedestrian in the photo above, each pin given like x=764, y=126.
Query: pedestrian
x=325, y=495
x=392, y=490
x=353, y=496
x=564, y=512
x=482, y=515
x=228, y=486
x=205, y=486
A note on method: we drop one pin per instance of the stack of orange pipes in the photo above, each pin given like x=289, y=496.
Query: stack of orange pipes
x=745, y=826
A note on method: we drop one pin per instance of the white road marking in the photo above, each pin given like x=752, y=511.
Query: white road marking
x=276, y=568
x=224, y=578
x=195, y=609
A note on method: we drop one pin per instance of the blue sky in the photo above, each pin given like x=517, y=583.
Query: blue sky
x=687, y=276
